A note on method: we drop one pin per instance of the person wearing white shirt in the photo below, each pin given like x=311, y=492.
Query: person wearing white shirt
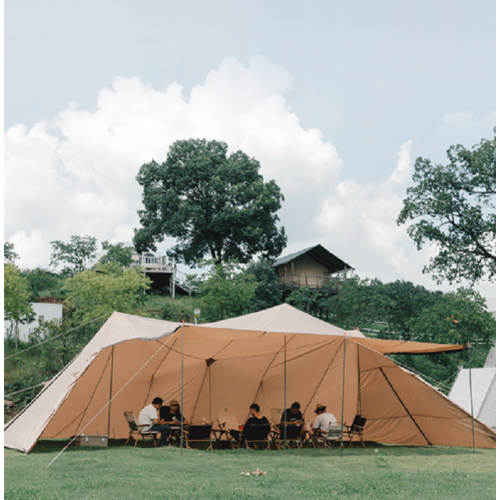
x=324, y=419
x=149, y=417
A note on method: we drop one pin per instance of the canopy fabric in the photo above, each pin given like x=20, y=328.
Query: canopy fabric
x=131, y=360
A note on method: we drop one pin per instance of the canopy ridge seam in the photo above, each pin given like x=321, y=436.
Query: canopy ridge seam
x=403, y=405
x=93, y=392
x=199, y=392
x=265, y=373
x=157, y=368
x=323, y=377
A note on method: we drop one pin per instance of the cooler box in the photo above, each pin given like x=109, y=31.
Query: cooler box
x=91, y=441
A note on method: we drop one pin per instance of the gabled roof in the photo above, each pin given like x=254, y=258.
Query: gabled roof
x=321, y=255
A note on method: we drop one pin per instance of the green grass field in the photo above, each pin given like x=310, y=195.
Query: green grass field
x=118, y=472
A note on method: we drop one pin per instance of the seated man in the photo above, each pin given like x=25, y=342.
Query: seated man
x=172, y=416
x=292, y=416
x=149, y=417
x=323, y=420
x=255, y=418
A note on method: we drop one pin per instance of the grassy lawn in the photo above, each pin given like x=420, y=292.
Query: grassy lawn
x=118, y=472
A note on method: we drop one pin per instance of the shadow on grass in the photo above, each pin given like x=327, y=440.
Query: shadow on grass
x=52, y=445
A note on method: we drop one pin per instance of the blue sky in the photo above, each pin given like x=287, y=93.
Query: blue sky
x=335, y=99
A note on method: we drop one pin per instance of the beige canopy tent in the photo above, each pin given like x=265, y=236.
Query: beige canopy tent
x=236, y=362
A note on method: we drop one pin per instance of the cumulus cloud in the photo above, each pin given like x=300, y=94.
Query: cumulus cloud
x=76, y=173
x=359, y=224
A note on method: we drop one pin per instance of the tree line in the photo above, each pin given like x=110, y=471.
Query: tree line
x=217, y=204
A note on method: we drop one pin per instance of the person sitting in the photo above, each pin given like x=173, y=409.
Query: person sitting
x=148, y=416
x=323, y=420
x=292, y=416
x=172, y=416
x=255, y=419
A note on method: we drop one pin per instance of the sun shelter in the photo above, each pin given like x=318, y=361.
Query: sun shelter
x=237, y=362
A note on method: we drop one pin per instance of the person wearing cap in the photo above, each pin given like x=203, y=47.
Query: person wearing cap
x=172, y=416
x=324, y=419
x=149, y=416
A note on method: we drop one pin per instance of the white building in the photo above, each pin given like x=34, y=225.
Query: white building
x=43, y=312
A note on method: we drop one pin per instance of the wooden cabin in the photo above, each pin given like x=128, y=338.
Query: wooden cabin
x=313, y=267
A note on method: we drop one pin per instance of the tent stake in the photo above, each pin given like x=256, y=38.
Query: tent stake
x=284, y=367
x=343, y=387
x=471, y=404
x=182, y=390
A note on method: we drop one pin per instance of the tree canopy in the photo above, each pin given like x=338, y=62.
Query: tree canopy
x=77, y=254
x=9, y=255
x=16, y=306
x=104, y=289
x=213, y=204
x=454, y=205
x=116, y=253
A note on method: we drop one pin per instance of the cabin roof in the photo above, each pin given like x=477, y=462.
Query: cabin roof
x=321, y=255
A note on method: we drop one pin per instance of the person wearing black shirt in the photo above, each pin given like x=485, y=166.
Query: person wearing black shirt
x=172, y=416
x=256, y=418
x=292, y=416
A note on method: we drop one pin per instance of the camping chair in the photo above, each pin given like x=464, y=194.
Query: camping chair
x=258, y=433
x=199, y=434
x=326, y=438
x=276, y=420
x=293, y=434
x=137, y=429
x=356, y=429
x=227, y=419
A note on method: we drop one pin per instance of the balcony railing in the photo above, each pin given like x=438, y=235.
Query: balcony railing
x=153, y=263
x=296, y=281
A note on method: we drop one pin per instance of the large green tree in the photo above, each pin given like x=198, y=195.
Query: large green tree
x=213, y=204
x=104, y=289
x=453, y=207
x=75, y=255
x=226, y=292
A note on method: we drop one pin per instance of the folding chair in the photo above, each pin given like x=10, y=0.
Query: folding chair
x=258, y=433
x=356, y=429
x=293, y=434
x=199, y=434
x=137, y=429
x=334, y=434
x=227, y=420
x=326, y=438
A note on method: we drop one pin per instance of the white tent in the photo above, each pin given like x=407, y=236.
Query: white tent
x=483, y=390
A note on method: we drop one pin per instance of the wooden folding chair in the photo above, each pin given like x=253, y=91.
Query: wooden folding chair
x=356, y=429
x=198, y=434
x=137, y=429
x=293, y=435
x=227, y=420
x=258, y=433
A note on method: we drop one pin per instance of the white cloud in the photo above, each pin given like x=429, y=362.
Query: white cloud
x=359, y=224
x=76, y=173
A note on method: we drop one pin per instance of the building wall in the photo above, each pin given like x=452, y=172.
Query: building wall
x=308, y=270
x=43, y=312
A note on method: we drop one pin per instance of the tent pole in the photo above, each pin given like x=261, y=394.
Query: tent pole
x=359, y=385
x=343, y=387
x=182, y=390
x=284, y=368
x=471, y=404
x=110, y=389
x=210, y=393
